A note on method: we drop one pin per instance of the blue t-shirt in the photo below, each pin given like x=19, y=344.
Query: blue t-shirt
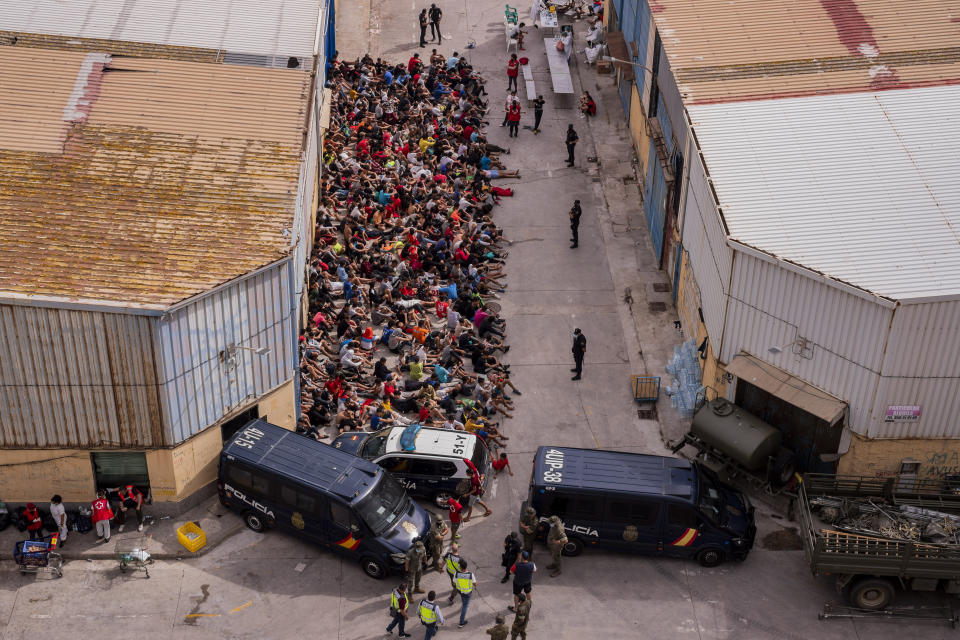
x=388, y=78
x=374, y=421
x=485, y=163
x=442, y=374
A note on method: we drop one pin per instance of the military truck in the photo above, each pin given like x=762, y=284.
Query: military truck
x=878, y=535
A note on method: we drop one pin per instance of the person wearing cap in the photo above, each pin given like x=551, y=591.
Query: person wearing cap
x=528, y=529
x=399, y=603
x=499, y=631
x=31, y=515
x=556, y=538
x=579, y=349
x=413, y=565
x=522, y=611
x=130, y=498
x=522, y=578
x=438, y=531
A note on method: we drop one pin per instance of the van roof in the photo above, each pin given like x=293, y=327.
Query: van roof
x=302, y=459
x=619, y=471
x=438, y=442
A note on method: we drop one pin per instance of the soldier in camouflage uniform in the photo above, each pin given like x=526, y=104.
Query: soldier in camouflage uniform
x=413, y=566
x=519, y=627
x=498, y=631
x=556, y=538
x=528, y=528
x=435, y=542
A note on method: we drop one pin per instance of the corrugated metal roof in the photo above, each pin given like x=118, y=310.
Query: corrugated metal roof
x=287, y=28
x=725, y=51
x=860, y=187
x=143, y=181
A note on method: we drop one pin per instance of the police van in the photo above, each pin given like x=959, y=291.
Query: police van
x=428, y=462
x=276, y=478
x=637, y=503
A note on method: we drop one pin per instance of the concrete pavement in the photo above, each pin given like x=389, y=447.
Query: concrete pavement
x=272, y=586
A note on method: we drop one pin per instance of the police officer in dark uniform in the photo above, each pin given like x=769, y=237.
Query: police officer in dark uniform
x=579, y=349
x=575, y=213
x=571, y=144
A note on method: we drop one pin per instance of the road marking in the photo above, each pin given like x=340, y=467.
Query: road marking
x=493, y=489
x=243, y=606
x=202, y=615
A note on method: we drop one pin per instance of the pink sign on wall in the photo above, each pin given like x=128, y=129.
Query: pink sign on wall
x=902, y=413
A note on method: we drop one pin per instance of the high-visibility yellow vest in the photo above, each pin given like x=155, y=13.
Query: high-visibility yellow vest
x=428, y=612
x=395, y=601
x=453, y=564
x=464, y=581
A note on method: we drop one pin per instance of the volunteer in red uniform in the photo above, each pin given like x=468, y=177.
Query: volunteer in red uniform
x=34, y=524
x=130, y=498
x=102, y=514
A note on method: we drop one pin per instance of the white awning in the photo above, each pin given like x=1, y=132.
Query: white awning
x=787, y=387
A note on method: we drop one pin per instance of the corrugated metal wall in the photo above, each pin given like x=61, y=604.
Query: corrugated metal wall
x=77, y=379
x=921, y=367
x=671, y=104
x=770, y=305
x=254, y=312
x=710, y=256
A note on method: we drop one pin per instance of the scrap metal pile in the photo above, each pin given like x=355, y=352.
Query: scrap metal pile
x=874, y=517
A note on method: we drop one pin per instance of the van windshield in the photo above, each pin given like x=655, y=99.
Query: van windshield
x=710, y=498
x=375, y=445
x=383, y=505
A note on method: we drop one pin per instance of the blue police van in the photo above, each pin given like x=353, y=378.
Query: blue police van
x=276, y=478
x=638, y=503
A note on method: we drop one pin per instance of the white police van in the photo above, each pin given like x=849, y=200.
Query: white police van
x=429, y=462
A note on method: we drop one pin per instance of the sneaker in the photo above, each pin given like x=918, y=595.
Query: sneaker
x=389, y=630
x=463, y=624
x=511, y=609
x=120, y=528
x=139, y=527
x=518, y=392
x=405, y=635
x=504, y=579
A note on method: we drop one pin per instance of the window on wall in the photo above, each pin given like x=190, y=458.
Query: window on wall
x=654, y=67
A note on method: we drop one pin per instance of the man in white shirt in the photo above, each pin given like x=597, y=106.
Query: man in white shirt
x=59, y=515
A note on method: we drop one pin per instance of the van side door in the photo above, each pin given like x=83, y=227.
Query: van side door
x=681, y=530
x=344, y=529
x=400, y=467
x=248, y=489
x=632, y=524
x=305, y=511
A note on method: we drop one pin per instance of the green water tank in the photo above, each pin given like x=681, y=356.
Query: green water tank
x=741, y=435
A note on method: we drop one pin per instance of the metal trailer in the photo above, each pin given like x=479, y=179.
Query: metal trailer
x=870, y=569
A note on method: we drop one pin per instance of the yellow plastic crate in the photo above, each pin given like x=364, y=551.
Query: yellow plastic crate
x=191, y=544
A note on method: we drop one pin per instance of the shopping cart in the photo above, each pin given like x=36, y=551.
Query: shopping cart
x=39, y=556
x=133, y=553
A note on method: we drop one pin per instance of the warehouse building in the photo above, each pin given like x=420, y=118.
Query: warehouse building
x=159, y=173
x=800, y=166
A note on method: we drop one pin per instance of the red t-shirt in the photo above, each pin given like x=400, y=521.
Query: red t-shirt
x=455, y=509
x=513, y=68
x=500, y=463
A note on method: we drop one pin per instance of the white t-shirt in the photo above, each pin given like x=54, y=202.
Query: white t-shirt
x=57, y=511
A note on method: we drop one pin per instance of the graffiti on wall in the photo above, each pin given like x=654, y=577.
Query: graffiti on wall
x=938, y=464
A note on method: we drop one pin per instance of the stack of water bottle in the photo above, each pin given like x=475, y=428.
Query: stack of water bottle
x=684, y=366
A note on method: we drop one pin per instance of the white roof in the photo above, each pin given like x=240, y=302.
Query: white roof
x=862, y=187
x=263, y=27
x=443, y=442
